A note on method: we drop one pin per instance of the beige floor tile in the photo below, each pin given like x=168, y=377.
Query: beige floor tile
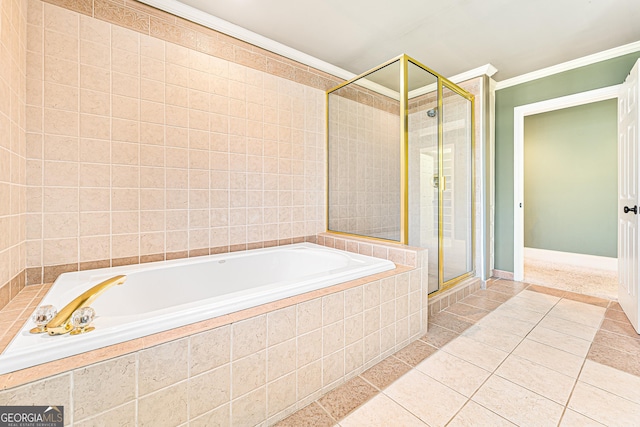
x=494, y=296
x=604, y=407
x=570, y=328
x=517, y=404
x=473, y=415
x=546, y=290
x=507, y=324
x=508, y=287
x=482, y=301
x=533, y=301
x=579, y=312
x=557, y=360
x=467, y=311
x=561, y=341
x=622, y=328
x=617, y=315
x=415, y=353
x=429, y=400
x=344, y=399
x=385, y=372
x=475, y=352
x=516, y=311
x=438, y=336
x=495, y=338
x=311, y=416
x=539, y=297
x=620, y=342
x=461, y=376
x=537, y=378
x=378, y=412
x=588, y=299
x=450, y=321
x=574, y=419
x=615, y=358
x=612, y=380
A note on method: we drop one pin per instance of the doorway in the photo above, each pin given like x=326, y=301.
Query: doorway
x=595, y=275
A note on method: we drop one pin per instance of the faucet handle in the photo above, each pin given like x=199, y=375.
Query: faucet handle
x=41, y=317
x=81, y=319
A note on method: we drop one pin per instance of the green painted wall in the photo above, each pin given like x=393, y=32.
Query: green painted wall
x=595, y=76
x=570, y=179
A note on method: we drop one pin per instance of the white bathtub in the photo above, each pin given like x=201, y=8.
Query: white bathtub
x=164, y=295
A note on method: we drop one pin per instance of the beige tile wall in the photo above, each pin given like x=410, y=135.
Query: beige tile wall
x=256, y=370
x=13, y=44
x=364, y=164
x=140, y=149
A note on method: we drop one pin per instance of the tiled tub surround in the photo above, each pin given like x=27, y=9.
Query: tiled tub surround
x=161, y=296
x=13, y=42
x=513, y=354
x=140, y=148
x=244, y=368
x=400, y=254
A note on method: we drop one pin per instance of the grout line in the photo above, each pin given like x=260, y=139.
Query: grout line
x=325, y=410
x=584, y=361
x=470, y=398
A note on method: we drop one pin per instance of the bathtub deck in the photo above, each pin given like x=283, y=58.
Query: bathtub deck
x=19, y=310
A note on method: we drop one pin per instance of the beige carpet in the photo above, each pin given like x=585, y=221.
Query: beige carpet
x=599, y=283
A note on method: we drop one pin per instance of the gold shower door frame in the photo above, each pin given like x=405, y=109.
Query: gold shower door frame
x=404, y=164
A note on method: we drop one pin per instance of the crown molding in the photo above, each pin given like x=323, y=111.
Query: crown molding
x=487, y=69
x=199, y=17
x=570, y=65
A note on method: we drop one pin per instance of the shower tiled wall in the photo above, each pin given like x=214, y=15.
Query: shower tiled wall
x=141, y=149
x=364, y=162
x=13, y=41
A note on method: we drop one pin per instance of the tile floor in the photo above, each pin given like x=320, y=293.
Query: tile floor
x=513, y=354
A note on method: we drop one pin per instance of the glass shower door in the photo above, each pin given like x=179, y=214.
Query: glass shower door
x=423, y=167
x=457, y=173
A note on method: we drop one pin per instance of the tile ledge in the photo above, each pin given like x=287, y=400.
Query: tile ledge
x=37, y=372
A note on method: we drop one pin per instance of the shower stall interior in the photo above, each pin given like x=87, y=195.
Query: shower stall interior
x=400, y=164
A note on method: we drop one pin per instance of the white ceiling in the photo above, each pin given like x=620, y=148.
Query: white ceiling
x=449, y=36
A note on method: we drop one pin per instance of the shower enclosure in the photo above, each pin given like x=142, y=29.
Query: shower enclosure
x=400, y=164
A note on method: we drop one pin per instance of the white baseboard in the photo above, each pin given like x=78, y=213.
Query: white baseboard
x=578, y=260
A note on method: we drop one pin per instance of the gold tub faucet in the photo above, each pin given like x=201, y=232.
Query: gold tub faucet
x=61, y=323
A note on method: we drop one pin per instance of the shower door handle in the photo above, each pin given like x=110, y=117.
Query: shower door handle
x=436, y=182
x=634, y=209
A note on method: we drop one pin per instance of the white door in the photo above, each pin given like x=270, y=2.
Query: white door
x=628, y=120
